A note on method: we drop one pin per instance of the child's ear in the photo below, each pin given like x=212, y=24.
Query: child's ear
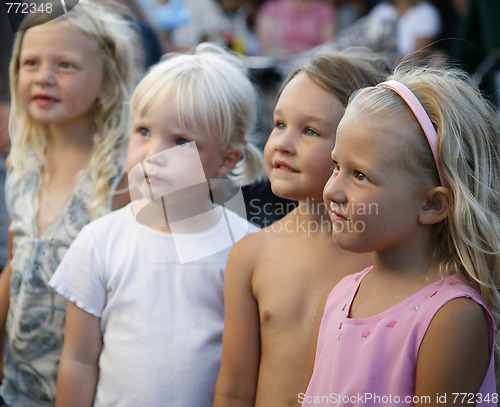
x=228, y=162
x=436, y=206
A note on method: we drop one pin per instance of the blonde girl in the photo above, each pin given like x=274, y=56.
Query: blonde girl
x=422, y=149
x=146, y=311
x=70, y=78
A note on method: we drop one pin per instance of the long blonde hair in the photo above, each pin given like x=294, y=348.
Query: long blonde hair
x=116, y=39
x=468, y=241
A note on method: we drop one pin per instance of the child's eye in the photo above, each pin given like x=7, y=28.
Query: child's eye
x=66, y=65
x=30, y=63
x=280, y=125
x=310, y=132
x=335, y=167
x=360, y=176
x=181, y=142
x=144, y=132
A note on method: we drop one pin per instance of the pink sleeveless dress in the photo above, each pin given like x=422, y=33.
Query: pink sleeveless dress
x=372, y=361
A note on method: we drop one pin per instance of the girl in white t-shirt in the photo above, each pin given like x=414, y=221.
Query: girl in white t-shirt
x=145, y=285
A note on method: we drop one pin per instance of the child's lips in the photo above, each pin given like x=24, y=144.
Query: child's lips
x=336, y=215
x=154, y=173
x=44, y=100
x=282, y=166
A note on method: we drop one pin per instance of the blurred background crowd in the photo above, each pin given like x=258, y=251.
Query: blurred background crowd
x=276, y=35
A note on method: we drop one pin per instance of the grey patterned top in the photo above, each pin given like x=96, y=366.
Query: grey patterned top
x=35, y=322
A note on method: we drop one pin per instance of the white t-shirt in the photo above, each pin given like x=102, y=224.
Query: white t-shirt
x=161, y=320
x=422, y=20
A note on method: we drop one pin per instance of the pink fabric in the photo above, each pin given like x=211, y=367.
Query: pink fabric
x=372, y=361
x=298, y=31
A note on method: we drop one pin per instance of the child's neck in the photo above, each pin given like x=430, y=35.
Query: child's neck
x=395, y=276
x=414, y=261
x=312, y=217
x=175, y=214
x=65, y=138
x=67, y=154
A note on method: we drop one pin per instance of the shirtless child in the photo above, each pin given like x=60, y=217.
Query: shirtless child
x=276, y=277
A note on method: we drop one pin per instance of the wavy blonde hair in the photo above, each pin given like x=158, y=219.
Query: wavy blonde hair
x=212, y=93
x=116, y=38
x=468, y=241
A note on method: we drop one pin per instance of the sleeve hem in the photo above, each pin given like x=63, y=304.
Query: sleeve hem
x=76, y=301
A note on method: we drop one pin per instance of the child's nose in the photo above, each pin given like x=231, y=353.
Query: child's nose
x=284, y=142
x=158, y=152
x=334, y=190
x=156, y=157
x=44, y=75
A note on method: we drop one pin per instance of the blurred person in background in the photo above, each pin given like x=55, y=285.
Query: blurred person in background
x=396, y=28
x=286, y=27
x=417, y=24
x=183, y=24
x=349, y=11
x=239, y=34
x=477, y=48
x=150, y=39
x=453, y=13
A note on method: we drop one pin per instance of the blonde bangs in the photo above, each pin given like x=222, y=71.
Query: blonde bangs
x=196, y=108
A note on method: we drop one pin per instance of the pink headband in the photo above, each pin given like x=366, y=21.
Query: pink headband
x=422, y=118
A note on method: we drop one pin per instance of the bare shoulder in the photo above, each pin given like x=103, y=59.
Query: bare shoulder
x=464, y=306
x=242, y=257
x=252, y=245
x=462, y=317
x=455, y=351
x=253, y=253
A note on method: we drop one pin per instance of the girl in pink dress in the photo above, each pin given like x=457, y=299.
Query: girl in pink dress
x=415, y=180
